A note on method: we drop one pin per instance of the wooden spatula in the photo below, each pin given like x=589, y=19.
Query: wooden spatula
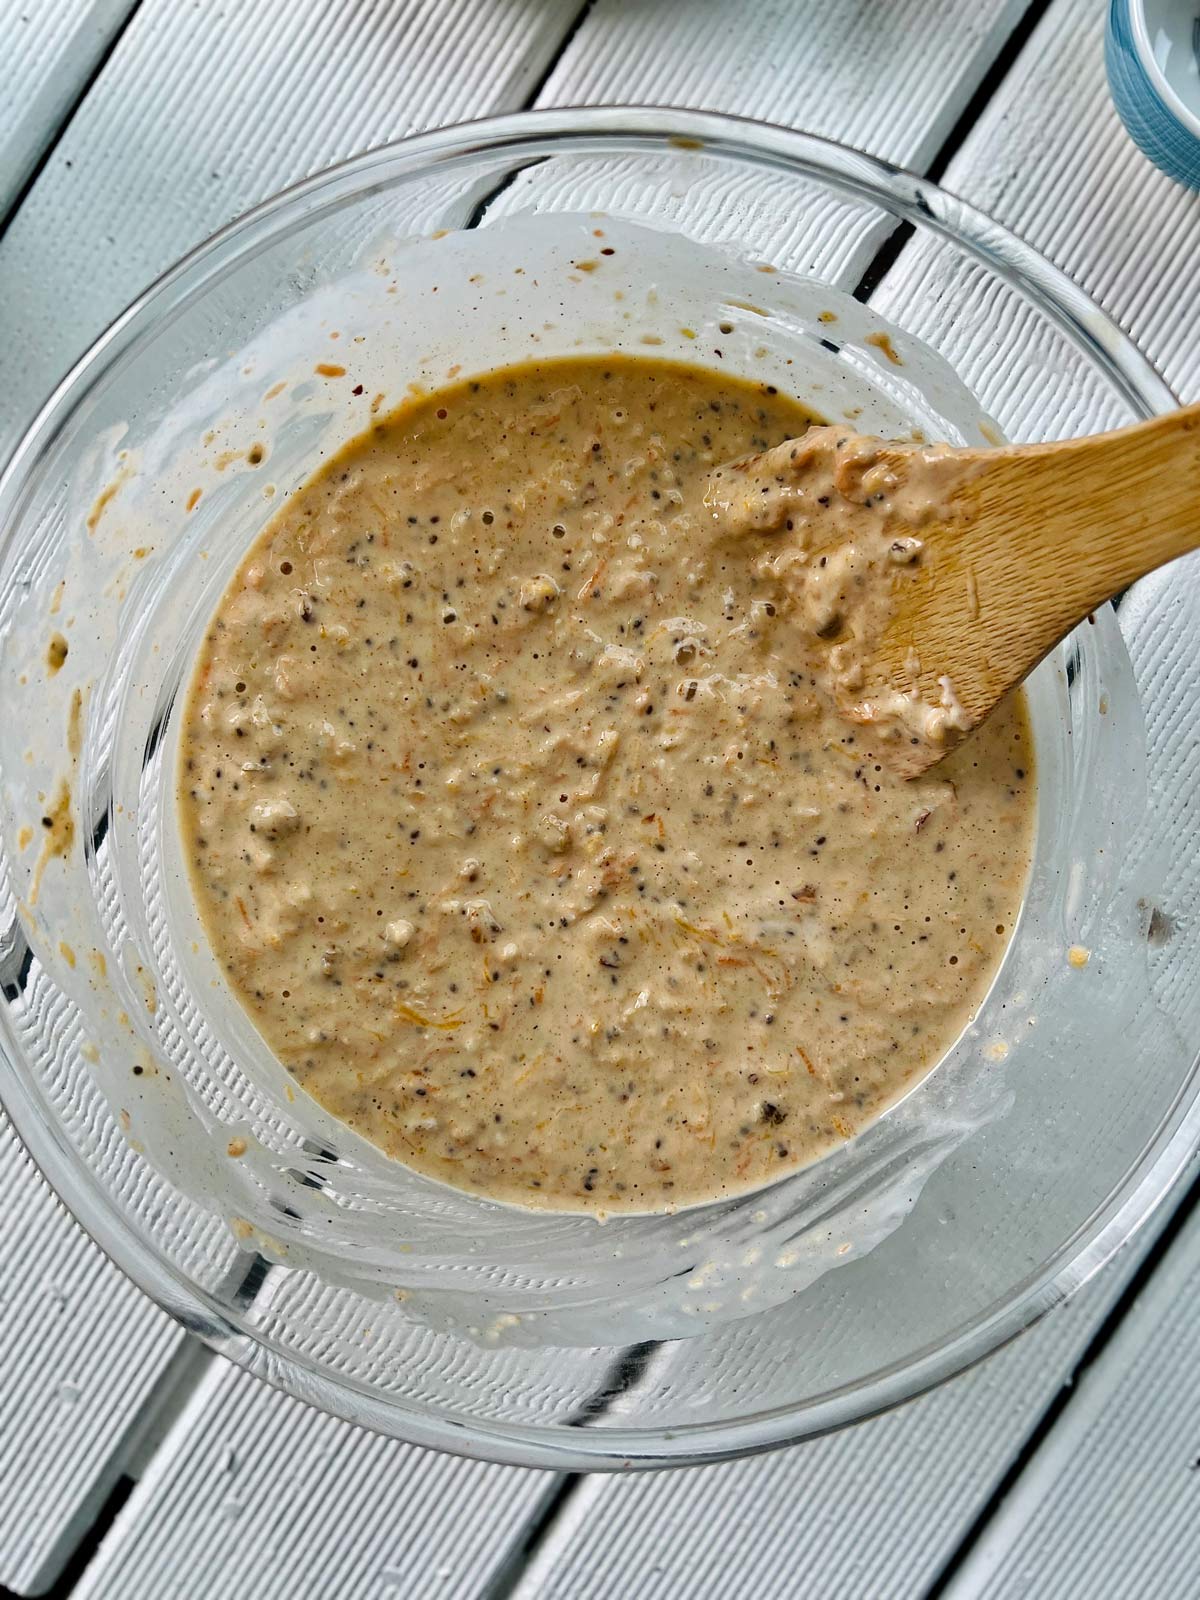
x=1034, y=538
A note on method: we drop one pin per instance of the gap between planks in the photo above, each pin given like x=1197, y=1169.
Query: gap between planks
x=182, y=1374
x=187, y=1366
x=55, y=133
x=993, y=80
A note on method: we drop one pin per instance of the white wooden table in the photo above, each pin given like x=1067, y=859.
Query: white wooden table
x=132, y=1463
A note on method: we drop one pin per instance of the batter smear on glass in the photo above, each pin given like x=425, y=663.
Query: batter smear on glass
x=524, y=831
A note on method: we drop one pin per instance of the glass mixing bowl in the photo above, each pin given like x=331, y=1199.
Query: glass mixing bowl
x=993, y=1189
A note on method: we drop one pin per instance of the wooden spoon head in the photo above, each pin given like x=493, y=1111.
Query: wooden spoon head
x=927, y=582
x=942, y=660
x=891, y=603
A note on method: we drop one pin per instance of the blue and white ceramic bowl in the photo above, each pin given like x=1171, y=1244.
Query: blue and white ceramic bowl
x=1152, y=52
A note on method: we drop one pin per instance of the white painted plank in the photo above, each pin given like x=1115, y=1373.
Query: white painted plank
x=1050, y=158
x=1103, y=1509
x=879, y=1510
x=203, y=111
x=1072, y=198
x=998, y=1414
x=50, y=49
x=1106, y=1510
x=889, y=79
x=200, y=112
x=210, y=113
x=80, y=1352
x=268, y=1499
x=876, y=1510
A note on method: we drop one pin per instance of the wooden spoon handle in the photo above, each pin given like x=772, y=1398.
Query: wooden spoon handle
x=1049, y=533
x=1120, y=504
x=1039, y=537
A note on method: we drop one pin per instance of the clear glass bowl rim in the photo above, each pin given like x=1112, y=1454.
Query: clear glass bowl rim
x=528, y=135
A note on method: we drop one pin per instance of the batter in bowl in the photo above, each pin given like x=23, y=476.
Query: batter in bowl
x=521, y=826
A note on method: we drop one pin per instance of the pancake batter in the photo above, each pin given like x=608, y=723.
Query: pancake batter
x=524, y=832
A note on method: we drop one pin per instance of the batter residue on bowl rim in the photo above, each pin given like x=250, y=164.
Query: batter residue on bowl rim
x=522, y=830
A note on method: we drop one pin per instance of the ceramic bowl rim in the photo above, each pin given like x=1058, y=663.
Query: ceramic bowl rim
x=1187, y=119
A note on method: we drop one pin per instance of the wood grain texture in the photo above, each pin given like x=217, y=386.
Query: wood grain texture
x=51, y=47
x=1106, y=1507
x=1106, y=1510
x=200, y=112
x=80, y=1353
x=878, y=1511
x=1050, y=158
x=1103, y=1509
x=268, y=1499
x=1035, y=538
x=874, y=1511
x=916, y=1478
x=889, y=79
x=203, y=111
